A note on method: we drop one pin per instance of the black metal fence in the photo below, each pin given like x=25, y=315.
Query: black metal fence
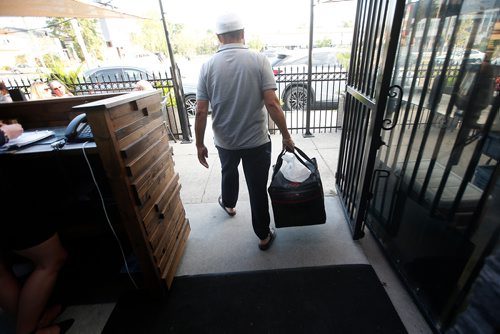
x=323, y=94
x=112, y=84
x=294, y=90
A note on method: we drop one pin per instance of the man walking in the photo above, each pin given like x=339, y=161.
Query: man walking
x=240, y=86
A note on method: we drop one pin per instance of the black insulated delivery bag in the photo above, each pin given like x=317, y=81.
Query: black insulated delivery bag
x=297, y=203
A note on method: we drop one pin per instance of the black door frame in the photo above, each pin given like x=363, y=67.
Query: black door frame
x=375, y=42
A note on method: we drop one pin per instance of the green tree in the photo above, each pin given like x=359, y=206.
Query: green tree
x=325, y=42
x=207, y=44
x=344, y=58
x=61, y=28
x=181, y=43
x=464, y=32
x=256, y=44
x=151, y=36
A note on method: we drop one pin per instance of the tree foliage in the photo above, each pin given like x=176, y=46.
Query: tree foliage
x=325, y=42
x=255, y=44
x=207, y=44
x=151, y=36
x=61, y=28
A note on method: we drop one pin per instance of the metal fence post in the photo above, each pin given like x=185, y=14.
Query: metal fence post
x=309, y=75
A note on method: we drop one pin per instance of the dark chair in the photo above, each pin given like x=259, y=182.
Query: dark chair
x=17, y=94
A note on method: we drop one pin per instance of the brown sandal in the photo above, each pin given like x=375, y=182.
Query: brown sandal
x=221, y=203
x=272, y=236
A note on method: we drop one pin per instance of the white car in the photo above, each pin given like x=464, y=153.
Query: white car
x=475, y=57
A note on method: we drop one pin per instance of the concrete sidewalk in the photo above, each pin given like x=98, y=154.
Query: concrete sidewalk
x=201, y=185
x=219, y=243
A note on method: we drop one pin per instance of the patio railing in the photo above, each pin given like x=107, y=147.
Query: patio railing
x=324, y=92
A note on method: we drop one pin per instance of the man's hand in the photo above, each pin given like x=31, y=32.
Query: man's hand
x=288, y=144
x=203, y=155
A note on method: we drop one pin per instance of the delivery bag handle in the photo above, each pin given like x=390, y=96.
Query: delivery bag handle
x=279, y=161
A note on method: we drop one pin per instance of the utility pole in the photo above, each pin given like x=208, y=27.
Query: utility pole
x=81, y=42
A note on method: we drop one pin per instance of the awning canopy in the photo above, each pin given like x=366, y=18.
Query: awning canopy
x=63, y=8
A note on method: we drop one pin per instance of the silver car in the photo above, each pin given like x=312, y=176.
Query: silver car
x=326, y=82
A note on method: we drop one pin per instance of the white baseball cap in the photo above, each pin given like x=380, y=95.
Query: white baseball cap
x=228, y=22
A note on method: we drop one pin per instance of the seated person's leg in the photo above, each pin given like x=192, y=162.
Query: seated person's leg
x=48, y=258
x=9, y=288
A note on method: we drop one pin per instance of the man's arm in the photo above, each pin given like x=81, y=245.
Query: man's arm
x=278, y=116
x=200, y=125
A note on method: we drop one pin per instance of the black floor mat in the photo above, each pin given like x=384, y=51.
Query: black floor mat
x=329, y=299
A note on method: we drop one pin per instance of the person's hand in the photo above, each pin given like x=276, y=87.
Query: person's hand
x=12, y=131
x=288, y=144
x=202, y=155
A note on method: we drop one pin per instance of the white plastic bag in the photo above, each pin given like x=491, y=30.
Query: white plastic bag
x=293, y=170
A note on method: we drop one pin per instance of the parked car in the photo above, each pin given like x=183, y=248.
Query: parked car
x=475, y=57
x=112, y=77
x=190, y=97
x=117, y=74
x=276, y=57
x=291, y=76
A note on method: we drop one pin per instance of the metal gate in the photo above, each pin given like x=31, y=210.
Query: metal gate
x=375, y=42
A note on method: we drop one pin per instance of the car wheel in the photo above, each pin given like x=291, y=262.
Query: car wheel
x=295, y=98
x=190, y=103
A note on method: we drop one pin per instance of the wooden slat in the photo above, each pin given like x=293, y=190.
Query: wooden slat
x=168, y=216
x=161, y=240
x=133, y=131
x=156, y=192
x=149, y=102
x=170, y=201
x=162, y=200
x=141, y=102
x=161, y=163
x=148, y=178
x=178, y=217
x=129, y=109
x=152, y=222
x=132, y=151
x=130, y=114
x=155, y=222
x=140, y=165
x=168, y=272
x=159, y=231
x=122, y=115
x=144, y=194
x=168, y=239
